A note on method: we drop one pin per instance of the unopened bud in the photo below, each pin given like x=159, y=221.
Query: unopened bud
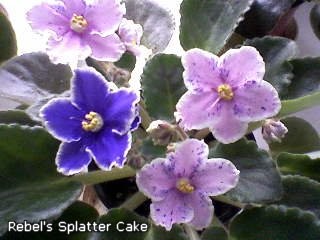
x=162, y=132
x=273, y=130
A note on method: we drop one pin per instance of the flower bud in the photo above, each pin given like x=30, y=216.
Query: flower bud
x=273, y=130
x=162, y=132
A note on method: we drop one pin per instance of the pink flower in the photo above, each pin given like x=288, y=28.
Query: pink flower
x=79, y=29
x=226, y=93
x=180, y=185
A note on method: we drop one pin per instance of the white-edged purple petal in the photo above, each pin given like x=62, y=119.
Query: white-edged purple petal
x=173, y=209
x=202, y=208
x=109, y=48
x=241, y=65
x=130, y=34
x=255, y=101
x=197, y=110
x=227, y=128
x=63, y=119
x=187, y=157
x=72, y=158
x=89, y=90
x=104, y=16
x=217, y=176
x=201, y=72
x=155, y=180
x=120, y=110
x=109, y=149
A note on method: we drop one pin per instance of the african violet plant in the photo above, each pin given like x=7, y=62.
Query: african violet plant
x=176, y=158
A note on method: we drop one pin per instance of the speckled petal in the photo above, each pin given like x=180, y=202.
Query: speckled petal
x=109, y=48
x=188, y=156
x=104, y=16
x=155, y=180
x=63, y=119
x=72, y=158
x=197, y=110
x=255, y=101
x=201, y=72
x=202, y=208
x=241, y=65
x=217, y=176
x=173, y=209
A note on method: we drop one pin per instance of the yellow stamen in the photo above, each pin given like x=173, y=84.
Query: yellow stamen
x=225, y=92
x=184, y=186
x=93, y=122
x=78, y=23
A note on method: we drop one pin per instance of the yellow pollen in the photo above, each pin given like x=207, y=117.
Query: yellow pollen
x=78, y=23
x=93, y=122
x=184, y=186
x=225, y=92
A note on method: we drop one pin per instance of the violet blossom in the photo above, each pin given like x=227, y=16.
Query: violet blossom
x=225, y=94
x=273, y=130
x=180, y=185
x=79, y=28
x=95, y=122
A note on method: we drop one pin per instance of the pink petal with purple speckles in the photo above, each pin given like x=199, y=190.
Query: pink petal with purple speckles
x=197, y=110
x=201, y=73
x=217, y=176
x=255, y=101
x=155, y=180
x=173, y=209
x=241, y=65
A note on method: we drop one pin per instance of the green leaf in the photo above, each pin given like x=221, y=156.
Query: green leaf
x=157, y=22
x=299, y=164
x=306, y=77
x=275, y=222
x=214, y=233
x=259, y=180
x=262, y=17
x=26, y=79
x=208, y=24
x=301, y=192
x=301, y=137
x=162, y=76
x=315, y=19
x=31, y=188
x=275, y=52
x=151, y=151
x=127, y=62
x=8, y=42
x=16, y=116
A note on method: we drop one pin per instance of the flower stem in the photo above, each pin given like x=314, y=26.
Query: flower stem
x=145, y=118
x=103, y=176
x=192, y=234
x=181, y=133
x=134, y=201
x=226, y=200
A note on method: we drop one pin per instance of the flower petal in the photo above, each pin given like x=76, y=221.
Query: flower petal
x=217, y=176
x=241, y=65
x=77, y=7
x=255, y=101
x=188, y=156
x=173, y=209
x=72, y=158
x=202, y=208
x=89, y=91
x=155, y=179
x=201, y=72
x=130, y=34
x=120, y=110
x=109, y=148
x=227, y=128
x=104, y=16
x=62, y=119
x=197, y=110
x=48, y=17
x=109, y=48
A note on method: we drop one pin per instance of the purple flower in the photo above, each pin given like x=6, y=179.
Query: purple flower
x=94, y=123
x=130, y=34
x=273, y=130
x=226, y=93
x=79, y=29
x=180, y=185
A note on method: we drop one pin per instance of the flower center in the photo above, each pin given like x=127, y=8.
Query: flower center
x=225, y=91
x=184, y=186
x=93, y=122
x=78, y=23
